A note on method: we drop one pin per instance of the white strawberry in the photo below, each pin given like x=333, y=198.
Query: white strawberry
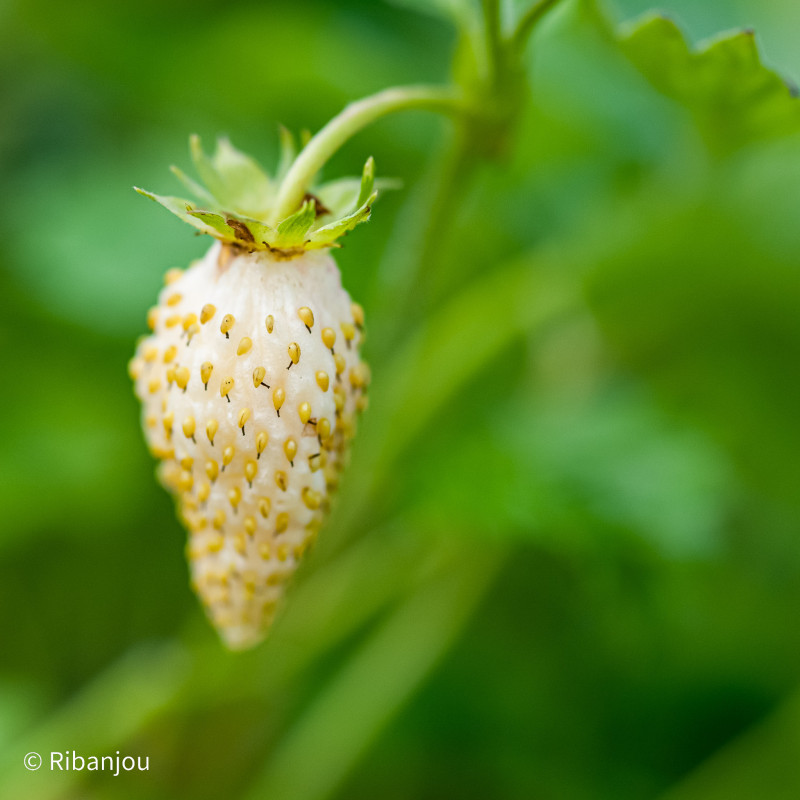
x=250, y=383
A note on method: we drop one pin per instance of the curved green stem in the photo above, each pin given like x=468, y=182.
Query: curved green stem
x=493, y=37
x=528, y=22
x=355, y=117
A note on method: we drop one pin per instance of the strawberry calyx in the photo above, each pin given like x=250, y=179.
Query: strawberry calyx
x=237, y=196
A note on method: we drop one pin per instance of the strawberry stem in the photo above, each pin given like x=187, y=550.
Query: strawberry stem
x=493, y=36
x=527, y=22
x=350, y=121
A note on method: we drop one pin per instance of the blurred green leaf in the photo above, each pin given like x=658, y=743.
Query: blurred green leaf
x=195, y=189
x=735, y=98
x=445, y=352
x=556, y=467
x=694, y=304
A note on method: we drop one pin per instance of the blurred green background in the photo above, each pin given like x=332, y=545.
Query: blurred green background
x=564, y=563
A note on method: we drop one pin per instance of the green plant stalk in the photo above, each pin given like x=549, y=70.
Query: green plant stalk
x=493, y=40
x=527, y=23
x=411, y=255
x=350, y=121
x=375, y=683
x=498, y=95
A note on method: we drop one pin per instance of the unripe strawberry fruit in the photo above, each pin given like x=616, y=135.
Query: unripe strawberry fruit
x=250, y=384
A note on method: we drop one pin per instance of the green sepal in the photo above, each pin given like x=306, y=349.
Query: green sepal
x=238, y=196
x=193, y=186
x=292, y=231
x=367, y=182
x=327, y=235
x=264, y=235
x=179, y=207
x=234, y=179
x=337, y=196
x=223, y=231
x=243, y=231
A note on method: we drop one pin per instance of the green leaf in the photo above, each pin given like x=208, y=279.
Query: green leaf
x=697, y=301
x=560, y=468
x=240, y=195
x=205, y=169
x=179, y=207
x=450, y=348
x=248, y=187
x=367, y=182
x=217, y=222
x=327, y=235
x=262, y=233
x=735, y=98
x=250, y=233
x=195, y=188
x=339, y=196
x=292, y=231
x=235, y=180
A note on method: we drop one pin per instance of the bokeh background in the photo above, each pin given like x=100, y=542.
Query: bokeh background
x=565, y=561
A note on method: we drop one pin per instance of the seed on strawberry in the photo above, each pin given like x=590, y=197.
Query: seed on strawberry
x=236, y=394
